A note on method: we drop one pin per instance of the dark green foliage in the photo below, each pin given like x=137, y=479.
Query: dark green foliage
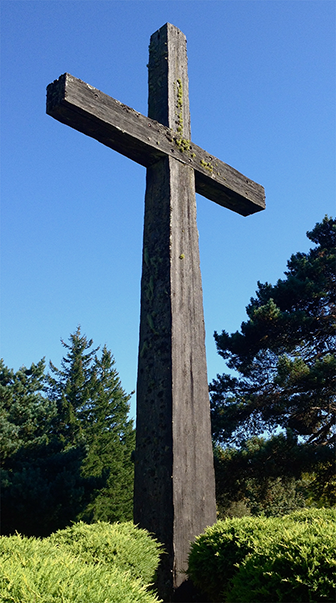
x=111, y=439
x=285, y=364
x=66, y=443
x=41, y=485
x=121, y=545
x=37, y=570
x=268, y=559
x=43, y=490
x=272, y=476
x=25, y=413
x=93, y=411
x=285, y=352
x=71, y=388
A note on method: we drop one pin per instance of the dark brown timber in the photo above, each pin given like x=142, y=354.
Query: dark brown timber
x=174, y=492
x=145, y=140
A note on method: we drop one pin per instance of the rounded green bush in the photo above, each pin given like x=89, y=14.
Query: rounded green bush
x=36, y=571
x=120, y=545
x=215, y=553
x=223, y=561
x=299, y=565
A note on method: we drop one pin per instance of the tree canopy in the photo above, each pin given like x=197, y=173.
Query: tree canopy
x=284, y=354
x=65, y=442
x=25, y=413
x=283, y=374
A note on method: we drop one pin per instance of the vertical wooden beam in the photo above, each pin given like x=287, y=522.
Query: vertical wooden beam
x=174, y=476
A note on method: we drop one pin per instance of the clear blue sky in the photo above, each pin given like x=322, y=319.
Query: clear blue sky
x=262, y=97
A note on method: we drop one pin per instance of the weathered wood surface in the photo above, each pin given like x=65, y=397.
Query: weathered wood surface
x=174, y=475
x=174, y=488
x=145, y=140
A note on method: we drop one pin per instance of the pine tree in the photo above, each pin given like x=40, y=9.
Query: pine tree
x=71, y=388
x=65, y=443
x=284, y=357
x=285, y=352
x=41, y=485
x=25, y=413
x=93, y=411
x=111, y=440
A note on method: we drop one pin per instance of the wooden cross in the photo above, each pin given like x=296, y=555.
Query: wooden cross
x=174, y=494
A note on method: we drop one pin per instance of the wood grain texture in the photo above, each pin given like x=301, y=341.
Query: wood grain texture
x=145, y=140
x=174, y=489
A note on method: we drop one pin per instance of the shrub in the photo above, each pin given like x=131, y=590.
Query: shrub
x=215, y=553
x=233, y=559
x=120, y=545
x=298, y=565
x=313, y=514
x=37, y=571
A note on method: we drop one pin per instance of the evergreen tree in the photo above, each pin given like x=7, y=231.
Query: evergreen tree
x=111, y=440
x=41, y=485
x=25, y=413
x=71, y=388
x=284, y=359
x=285, y=353
x=65, y=443
x=93, y=411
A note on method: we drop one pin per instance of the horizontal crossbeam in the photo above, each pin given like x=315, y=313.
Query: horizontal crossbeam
x=144, y=140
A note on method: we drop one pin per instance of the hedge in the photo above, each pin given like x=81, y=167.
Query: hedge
x=43, y=571
x=121, y=545
x=250, y=559
x=298, y=565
